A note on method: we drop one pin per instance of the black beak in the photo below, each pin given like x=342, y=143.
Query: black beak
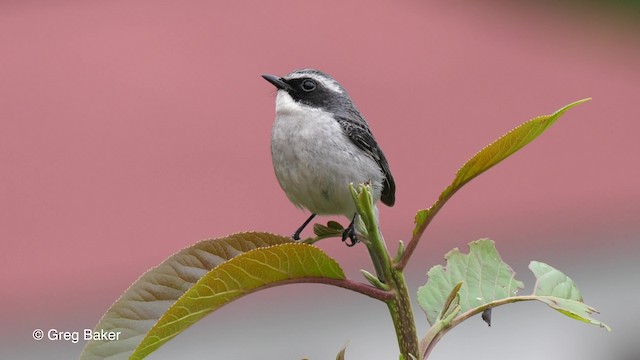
x=277, y=81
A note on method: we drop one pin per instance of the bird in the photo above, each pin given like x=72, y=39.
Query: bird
x=320, y=144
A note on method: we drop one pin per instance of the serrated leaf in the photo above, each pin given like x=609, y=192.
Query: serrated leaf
x=507, y=144
x=138, y=309
x=484, y=275
x=246, y=273
x=561, y=293
x=552, y=282
x=489, y=282
x=491, y=155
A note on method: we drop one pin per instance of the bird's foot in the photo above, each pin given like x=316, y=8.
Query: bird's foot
x=296, y=235
x=350, y=232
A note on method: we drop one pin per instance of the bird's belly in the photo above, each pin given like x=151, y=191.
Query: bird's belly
x=315, y=163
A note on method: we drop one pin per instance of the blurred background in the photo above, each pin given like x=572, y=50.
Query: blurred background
x=132, y=129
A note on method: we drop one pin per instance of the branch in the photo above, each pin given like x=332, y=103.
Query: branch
x=361, y=288
x=417, y=233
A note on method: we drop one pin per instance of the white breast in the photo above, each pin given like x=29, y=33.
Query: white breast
x=315, y=161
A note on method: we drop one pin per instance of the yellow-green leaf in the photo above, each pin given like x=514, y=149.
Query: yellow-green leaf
x=246, y=273
x=147, y=299
x=491, y=155
x=506, y=145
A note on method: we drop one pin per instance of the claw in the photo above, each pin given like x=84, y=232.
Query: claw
x=350, y=232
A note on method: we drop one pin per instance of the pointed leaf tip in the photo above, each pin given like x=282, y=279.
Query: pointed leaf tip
x=490, y=156
x=508, y=144
x=561, y=293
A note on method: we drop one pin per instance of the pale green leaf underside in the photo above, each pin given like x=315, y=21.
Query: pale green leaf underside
x=245, y=273
x=574, y=309
x=140, y=307
x=561, y=293
x=552, y=282
x=492, y=154
x=484, y=275
x=489, y=282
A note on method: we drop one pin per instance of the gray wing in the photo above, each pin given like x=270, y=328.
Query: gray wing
x=361, y=136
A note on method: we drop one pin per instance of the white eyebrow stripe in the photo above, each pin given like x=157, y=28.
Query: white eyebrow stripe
x=326, y=82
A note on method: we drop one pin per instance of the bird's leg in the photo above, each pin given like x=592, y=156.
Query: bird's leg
x=296, y=235
x=350, y=232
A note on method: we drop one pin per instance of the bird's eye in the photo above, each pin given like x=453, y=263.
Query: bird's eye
x=308, y=85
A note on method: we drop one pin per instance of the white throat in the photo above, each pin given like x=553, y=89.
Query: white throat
x=286, y=105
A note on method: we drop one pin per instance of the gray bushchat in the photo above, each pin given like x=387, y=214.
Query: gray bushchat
x=320, y=143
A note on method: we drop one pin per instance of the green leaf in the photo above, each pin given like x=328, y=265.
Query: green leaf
x=574, y=309
x=561, y=293
x=452, y=302
x=488, y=282
x=335, y=225
x=506, y=145
x=551, y=282
x=366, y=209
x=484, y=276
x=425, y=214
x=246, y=273
x=373, y=280
x=323, y=231
x=332, y=229
x=147, y=299
x=490, y=156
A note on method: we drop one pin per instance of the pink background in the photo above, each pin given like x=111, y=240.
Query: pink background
x=131, y=129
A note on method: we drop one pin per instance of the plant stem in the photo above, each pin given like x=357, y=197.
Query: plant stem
x=399, y=304
x=402, y=315
x=419, y=231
